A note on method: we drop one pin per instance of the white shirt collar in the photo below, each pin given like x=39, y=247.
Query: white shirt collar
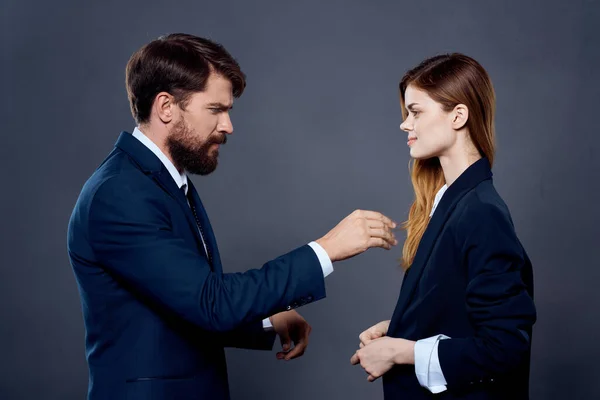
x=180, y=179
x=437, y=199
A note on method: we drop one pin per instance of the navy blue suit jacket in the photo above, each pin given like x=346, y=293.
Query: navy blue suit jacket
x=157, y=313
x=470, y=280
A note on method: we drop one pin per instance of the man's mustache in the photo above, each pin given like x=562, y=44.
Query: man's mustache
x=220, y=140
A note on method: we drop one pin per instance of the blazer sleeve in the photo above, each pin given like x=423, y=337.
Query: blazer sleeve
x=499, y=307
x=131, y=236
x=252, y=336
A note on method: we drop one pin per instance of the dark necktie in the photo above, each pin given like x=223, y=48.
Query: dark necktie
x=202, y=234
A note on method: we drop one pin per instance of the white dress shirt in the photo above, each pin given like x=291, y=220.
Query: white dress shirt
x=181, y=179
x=427, y=363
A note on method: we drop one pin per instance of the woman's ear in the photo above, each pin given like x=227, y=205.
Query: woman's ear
x=460, y=115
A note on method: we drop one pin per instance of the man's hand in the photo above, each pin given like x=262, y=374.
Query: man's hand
x=291, y=327
x=375, y=332
x=380, y=355
x=358, y=232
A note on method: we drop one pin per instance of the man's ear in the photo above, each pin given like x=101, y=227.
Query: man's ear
x=164, y=107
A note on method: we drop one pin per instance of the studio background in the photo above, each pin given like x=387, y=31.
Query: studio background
x=316, y=136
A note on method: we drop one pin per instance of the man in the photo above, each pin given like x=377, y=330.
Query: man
x=158, y=308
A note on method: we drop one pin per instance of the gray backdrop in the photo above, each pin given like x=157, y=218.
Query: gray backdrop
x=316, y=136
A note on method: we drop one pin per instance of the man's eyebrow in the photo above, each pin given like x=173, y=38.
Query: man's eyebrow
x=220, y=106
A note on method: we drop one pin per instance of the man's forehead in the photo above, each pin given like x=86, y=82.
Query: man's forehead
x=219, y=89
x=218, y=81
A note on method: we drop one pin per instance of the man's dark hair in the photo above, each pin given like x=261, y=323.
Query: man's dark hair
x=180, y=65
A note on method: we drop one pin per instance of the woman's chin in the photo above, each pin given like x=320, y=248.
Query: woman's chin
x=417, y=155
x=420, y=155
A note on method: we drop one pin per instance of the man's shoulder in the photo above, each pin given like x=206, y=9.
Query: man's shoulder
x=118, y=188
x=117, y=174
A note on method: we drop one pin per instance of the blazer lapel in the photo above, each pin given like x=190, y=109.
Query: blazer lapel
x=152, y=166
x=211, y=241
x=165, y=180
x=476, y=173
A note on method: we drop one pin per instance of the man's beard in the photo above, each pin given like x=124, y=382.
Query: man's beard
x=189, y=153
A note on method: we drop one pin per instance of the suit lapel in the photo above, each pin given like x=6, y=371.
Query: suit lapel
x=165, y=180
x=211, y=241
x=152, y=166
x=476, y=173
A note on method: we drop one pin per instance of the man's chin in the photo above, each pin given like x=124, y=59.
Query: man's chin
x=208, y=171
x=204, y=169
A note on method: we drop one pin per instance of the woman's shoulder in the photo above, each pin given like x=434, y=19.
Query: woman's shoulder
x=483, y=205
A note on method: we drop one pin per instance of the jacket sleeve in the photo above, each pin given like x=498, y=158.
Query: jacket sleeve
x=252, y=336
x=131, y=236
x=499, y=306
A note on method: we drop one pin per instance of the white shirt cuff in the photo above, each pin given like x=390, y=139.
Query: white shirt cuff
x=267, y=325
x=324, y=259
x=326, y=266
x=427, y=364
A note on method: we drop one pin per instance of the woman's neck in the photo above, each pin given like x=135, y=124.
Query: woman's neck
x=456, y=162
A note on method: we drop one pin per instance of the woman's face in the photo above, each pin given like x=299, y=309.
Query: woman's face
x=431, y=130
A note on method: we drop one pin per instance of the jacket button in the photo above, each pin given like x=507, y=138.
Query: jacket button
x=288, y=308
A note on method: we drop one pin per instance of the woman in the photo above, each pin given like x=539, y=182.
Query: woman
x=462, y=325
